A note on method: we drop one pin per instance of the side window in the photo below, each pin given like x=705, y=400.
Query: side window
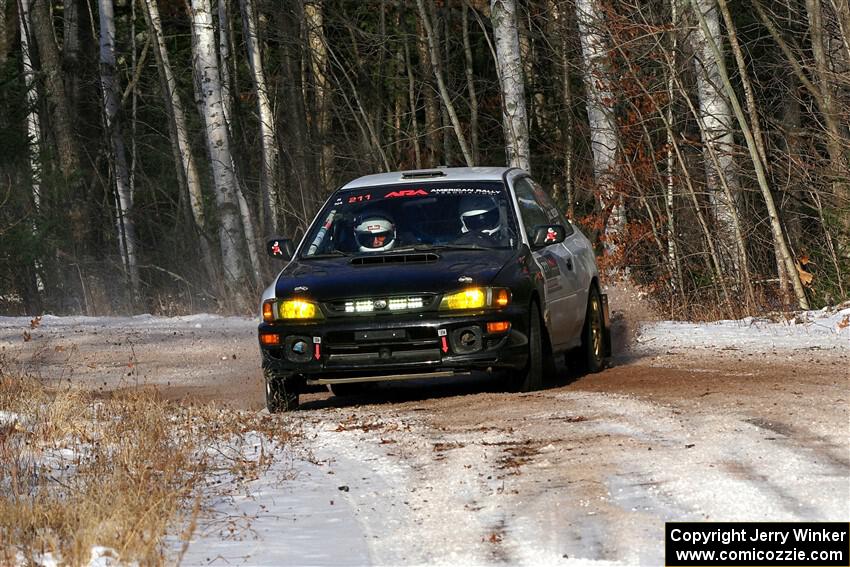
x=552, y=212
x=530, y=210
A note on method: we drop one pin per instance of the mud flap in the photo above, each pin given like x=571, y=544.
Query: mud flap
x=606, y=327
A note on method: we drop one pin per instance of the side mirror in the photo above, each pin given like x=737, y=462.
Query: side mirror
x=280, y=248
x=548, y=234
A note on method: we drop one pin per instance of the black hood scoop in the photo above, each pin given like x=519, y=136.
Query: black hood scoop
x=415, y=258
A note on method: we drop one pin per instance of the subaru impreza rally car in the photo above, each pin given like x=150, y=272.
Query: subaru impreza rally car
x=430, y=273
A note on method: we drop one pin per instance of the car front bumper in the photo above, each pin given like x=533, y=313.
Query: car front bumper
x=394, y=346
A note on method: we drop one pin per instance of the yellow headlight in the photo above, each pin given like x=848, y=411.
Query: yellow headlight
x=473, y=298
x=299, y=309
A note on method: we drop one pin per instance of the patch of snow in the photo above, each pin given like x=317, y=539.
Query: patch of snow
x=825, y=329
x=100, y=557
x=8, y=418
x=294, y=514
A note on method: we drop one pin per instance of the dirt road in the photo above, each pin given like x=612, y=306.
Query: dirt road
x=583, y=472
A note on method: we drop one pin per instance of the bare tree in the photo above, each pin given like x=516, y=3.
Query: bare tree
x=434, y=54
x=32, y=119
x=60, y=116
x=715, y=120
x=775, y=226
x=314, y=17
x=184, y=159
x=469, y=73
x=118, y=162
x=231, y=235
x=268, y=137
x=510, y=70
x=71, y=49
x=604, y=139
x=432, y=127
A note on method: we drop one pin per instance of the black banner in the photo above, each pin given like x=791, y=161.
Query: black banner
x=757, y=544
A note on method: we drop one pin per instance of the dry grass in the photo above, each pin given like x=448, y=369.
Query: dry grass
x=121, y=472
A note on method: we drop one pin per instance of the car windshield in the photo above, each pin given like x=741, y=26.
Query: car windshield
x=392, y=218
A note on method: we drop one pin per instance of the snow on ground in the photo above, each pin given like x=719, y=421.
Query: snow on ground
x=566, y=476
x=825, y=329
x=146, y=321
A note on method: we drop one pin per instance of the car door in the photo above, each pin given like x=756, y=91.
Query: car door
x=555, y=261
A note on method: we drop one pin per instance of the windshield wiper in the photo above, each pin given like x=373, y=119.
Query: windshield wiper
x=433, y=247
x=329, y=254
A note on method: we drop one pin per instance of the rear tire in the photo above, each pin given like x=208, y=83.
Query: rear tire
x=278, y=399
x=532, y=378
x=591, y=355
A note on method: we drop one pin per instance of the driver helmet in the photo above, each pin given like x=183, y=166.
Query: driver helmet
x=479, y=213
x=374, y=233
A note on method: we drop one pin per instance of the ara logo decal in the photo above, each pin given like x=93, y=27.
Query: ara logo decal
x=551, y=235
x=406, y=193
x=276, y=249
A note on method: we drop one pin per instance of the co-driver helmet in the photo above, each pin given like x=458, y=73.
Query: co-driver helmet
x=479, y=213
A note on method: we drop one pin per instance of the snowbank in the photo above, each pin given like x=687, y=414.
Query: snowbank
x=826, y=329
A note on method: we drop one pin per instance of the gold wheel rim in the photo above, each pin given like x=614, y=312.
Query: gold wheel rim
x=595, y=328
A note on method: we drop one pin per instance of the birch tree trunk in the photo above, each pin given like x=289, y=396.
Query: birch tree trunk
x=434, y=54
x=717, y=134
x=670, y=190
x=604, y=139
x=758, y=138
x=32, y=118
x=224, y=60
x=184, y=160
x=121, y=173
x=314, y=16
x=773, y=215
x=33, y=126
x=268, y=137
x=231, y=233
x=509, y=65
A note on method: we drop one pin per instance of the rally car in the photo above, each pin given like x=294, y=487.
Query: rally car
x=430, y=273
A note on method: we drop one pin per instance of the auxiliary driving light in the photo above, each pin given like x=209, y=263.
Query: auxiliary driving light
x=298, y=349
x=466, y=340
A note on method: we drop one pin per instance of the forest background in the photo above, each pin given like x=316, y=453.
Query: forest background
x=148, y=147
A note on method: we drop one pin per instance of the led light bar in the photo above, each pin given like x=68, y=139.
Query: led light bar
x=392, y=304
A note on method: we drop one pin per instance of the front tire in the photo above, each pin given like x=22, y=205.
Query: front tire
x=532, y=378
x=278, y=397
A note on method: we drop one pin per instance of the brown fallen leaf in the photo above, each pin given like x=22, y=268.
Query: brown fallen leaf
x=844, y=323
x=806, y=278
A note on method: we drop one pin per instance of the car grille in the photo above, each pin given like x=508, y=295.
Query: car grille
x=389, y=346
x=380, y=305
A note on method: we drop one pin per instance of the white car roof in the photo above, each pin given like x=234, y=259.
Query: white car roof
x=420, y=176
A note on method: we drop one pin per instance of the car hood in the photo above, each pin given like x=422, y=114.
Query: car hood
x=337, y=278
